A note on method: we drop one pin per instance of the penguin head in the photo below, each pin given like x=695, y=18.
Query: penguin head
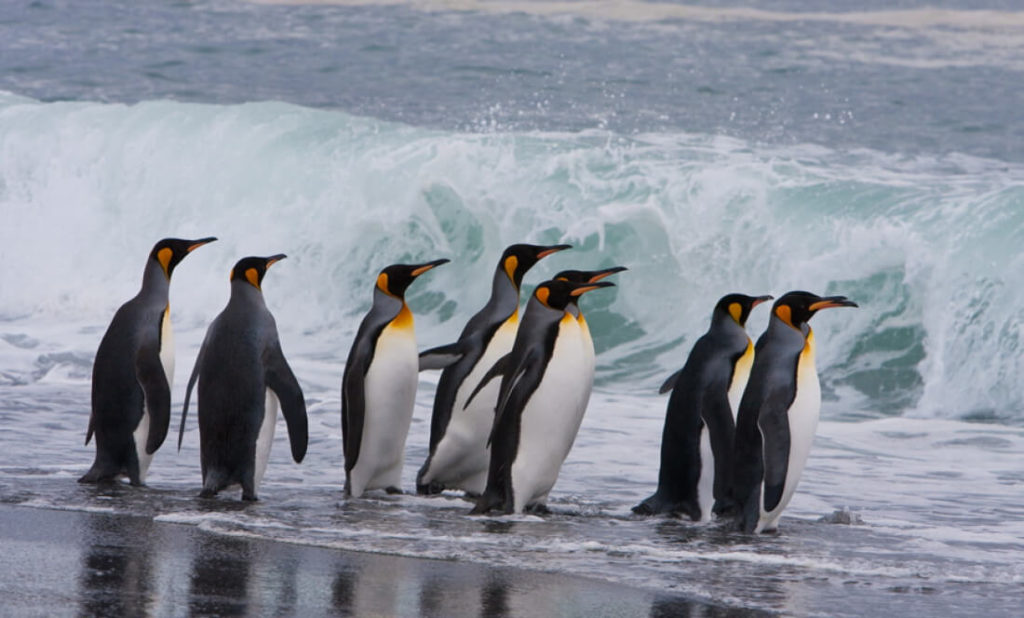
x=395, y=279
x=517, y=259
x=558, y=294
x=796, y=308
x=170, y=251
x=738, y=306
x=252, y=269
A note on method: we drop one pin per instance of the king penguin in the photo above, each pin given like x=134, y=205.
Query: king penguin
x=242, y=378
x=585, y=276
x=696, y=442
x=778, y=413
x=132, y=373
x=378, y=388
x=540, y=401
x=458, y=455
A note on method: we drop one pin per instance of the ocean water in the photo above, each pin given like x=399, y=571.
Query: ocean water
x=755, y=147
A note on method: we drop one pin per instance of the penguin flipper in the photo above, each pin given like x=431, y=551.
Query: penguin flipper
x=500, y=367
x=149, y=372
x=669, y=383
x=441, y=356
x=281, y=380
x=510, y=394
x=188, y=392
x=717, y=415
x=353, y=401
x=774, y=424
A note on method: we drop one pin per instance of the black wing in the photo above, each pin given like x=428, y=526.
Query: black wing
x=188, y=392
x=669, y=383
x=441, y=356
x=500, y=368
x=281, y=380
x=353, y=396
x=149, y=372
x=717, y=415
x=774, y=424
x=516, y=387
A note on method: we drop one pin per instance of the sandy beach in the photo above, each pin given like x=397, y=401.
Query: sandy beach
x=58, y=563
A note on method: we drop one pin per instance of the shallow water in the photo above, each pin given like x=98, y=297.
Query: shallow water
x=753, y=147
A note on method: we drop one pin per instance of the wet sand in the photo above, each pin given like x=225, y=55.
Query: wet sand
x=98, y=564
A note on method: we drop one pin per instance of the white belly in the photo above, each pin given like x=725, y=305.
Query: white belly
x=706, y=482
x=141, y=433
x=462, y=456
x=550, y=420
x=390, y=393
x=265, y=438
x=803, y=423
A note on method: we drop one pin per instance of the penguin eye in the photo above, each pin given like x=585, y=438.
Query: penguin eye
x=511, y=263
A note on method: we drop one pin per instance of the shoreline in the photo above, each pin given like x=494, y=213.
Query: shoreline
x=61, y=562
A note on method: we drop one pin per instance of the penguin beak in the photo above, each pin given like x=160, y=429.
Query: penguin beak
x=586, y=287
x=199, y=243
x=601, y=274
x=419, y=270
x=275, y=259
x=552, y=249
x=760, y=299
x=832, y=301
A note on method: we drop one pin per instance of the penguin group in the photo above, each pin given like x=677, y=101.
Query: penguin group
x=509, y=403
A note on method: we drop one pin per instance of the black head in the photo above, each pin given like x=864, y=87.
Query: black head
x=557, y=294
x=395, y=279
x=170, y=251
x=588, y=276
x=252, y=269
x=738, y=306
x=797, y=307
x=517, y=259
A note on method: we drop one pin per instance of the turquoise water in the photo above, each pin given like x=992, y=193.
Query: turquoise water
x=752, y=147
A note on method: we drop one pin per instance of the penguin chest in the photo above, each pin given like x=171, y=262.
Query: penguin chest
x=803, y=416
x=550, y=419
x=740, y=376
x=390, y=393
x=167, y=345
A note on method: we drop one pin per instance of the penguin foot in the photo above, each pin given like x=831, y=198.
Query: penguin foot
x=393, y=491
x=207, y=493
x=537, y=509
x=429, y=489
x=249, y=497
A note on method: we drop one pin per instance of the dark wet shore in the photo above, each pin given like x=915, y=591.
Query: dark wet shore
x=98, y=564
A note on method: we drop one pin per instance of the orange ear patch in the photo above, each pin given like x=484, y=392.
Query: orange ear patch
x=382, y=283
x=736, y=311
x=511, y=263
x=253, y=277
x=785, y=314
x=164, y=257
x=542, y=294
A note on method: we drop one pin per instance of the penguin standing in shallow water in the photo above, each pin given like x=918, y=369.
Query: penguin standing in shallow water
x=778, y=413
x=540, y=401
x=696, y=443
x=378, y=388
x=132, y=373
x=459, y=453
x=243, y=376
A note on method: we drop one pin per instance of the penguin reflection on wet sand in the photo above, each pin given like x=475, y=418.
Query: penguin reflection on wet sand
x=242, y=377
x=459, y=455
x=133, y=371
x=778, y=413
x=378, y=388
x=696, y=443
x=540, y=401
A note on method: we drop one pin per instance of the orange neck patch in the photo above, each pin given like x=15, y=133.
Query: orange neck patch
x=403, y=320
